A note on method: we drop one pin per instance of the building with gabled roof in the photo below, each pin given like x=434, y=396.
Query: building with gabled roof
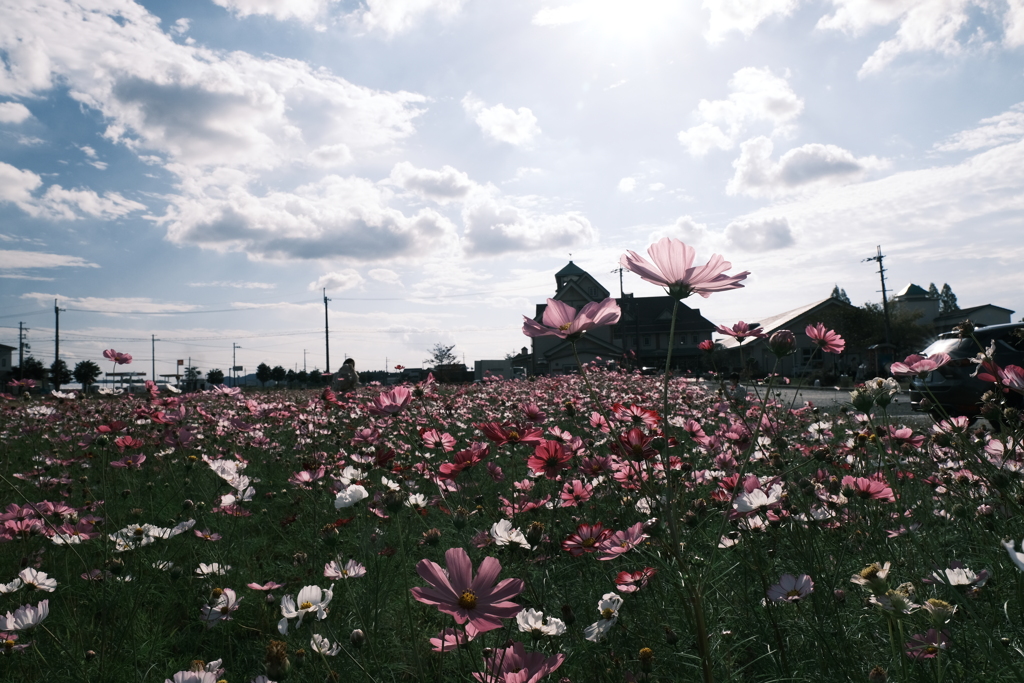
x=916, y=301
x=757, y=359
x=640, y=338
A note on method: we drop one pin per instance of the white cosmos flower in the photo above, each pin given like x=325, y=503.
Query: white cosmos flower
x=323, y=646
x=310, y=599
x=609, y=609
x=532, y=621
x=6, y=588
x=504, y=534
x=349, y=496
x=35, y=579
x=416, y=500
x=213, y=569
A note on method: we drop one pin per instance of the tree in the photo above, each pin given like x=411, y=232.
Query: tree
x=191, y=375
x=278, y=373
x=440, y=355
x=933, y=291
x=263, y=373
x=302, y=376
x=59, y=373
x=947, y=301
x=290, y=377
x=215, y=376
x=840, y=294
x=30, y=369
x=86, y=373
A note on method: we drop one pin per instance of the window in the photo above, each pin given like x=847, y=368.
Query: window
x=647, y=340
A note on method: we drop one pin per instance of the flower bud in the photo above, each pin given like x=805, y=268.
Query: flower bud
x=782, y=343
x=357, y=638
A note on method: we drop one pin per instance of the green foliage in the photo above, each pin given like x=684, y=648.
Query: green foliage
x=31, y=368
x=59, y=373
x=263, y=373
x=840, y=294
x=215, y=376
x=278, y=374
x=86, y=372
x=440, y=354
x=947, y=301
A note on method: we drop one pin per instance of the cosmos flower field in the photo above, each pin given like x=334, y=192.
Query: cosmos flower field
x=512, y=531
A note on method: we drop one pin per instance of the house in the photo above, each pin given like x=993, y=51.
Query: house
x=639, y=339
x=6, y=358
x=753, y=353
x=915, y=301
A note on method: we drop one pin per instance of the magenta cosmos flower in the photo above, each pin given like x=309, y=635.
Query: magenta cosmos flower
x=477, y=601
x=514, y=664
x=828, y=340
x=673, y=269
x=562, y=320
x=741, y=330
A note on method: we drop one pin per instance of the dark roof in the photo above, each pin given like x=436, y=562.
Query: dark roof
x=571, y=269
x=655, y=313
x=912, y=290
x=964, y=312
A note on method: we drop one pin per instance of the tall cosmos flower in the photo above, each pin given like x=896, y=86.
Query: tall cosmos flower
x=562, y=320
x=479, y=601
x=827, y=340
x=673, y=269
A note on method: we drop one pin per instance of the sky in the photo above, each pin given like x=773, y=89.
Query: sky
x=198, y=171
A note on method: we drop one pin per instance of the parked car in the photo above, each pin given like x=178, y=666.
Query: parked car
x=952, y=389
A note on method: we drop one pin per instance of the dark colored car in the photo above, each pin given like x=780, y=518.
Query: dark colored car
x=952, y=387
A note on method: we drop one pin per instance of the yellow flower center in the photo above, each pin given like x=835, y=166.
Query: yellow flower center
x=793, y=594
x=608, y=613
x=467, y=600
x=588, y=542
x=564, y=327
x=306, y=605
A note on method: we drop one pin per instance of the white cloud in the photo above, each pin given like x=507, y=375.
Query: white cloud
x=516, y=127
x=236, y=284
x=448, y=184
x=56, y=203
x=560, y=16
x=19, y=260
x=757, y=95
x=303, y=10
x=742, y=15
x=338, y=280
x=759, y=235
x=388, y=277
x=496, y=226
x=334, y=217
x=656, y=187
x=1013, y=24
x=181, y=26
x=996, y=130
x=14, y=112
x=686, y=229
x=627, y=185
x=812, y=165
x=111, y=305
x=190, y=104
x=330, y=156
x=396, y=16
x=923, y=25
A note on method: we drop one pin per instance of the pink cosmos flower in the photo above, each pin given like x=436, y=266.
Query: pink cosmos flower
x=927, y=645
x=349, y=570
x=673, y=269
x=587, y=539
x=391, y=402
x=449, y=639
x=1012, y=377
x=268, y=586
x=207, y=535
x=129, y=462
x=117, y=357
x=514, y=664
x=575, y=493
x=562, y=320
x=741, y=330
x=827, y=340
x=791, y=588
x=918, y=365
x=436, y=440
x=221, y=609
x=621, y=542
x=478, y=603
x=869, y=488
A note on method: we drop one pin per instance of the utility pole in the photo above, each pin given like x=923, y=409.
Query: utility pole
x=234, y=378
x=327, y=335
x=152, y=354
x=21, y=348
x=56, y=335
x=619, y=271
x=303, y=360
x=885, y=301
